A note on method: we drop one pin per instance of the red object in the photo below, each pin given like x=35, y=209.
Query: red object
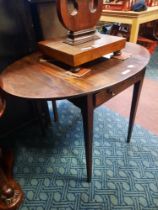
x=120, y=5
x=151, y=3
x=148, y=43
x=126, y=4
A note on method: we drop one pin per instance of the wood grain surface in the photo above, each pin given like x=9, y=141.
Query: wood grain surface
x=31, y=79
x=84, y=15
x=85, y=52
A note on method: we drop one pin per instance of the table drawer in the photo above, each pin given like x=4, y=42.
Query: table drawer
x=108, y=93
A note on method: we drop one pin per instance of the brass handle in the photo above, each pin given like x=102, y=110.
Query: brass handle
x=111, y=92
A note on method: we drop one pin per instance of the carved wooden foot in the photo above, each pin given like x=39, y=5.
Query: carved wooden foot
x=11, y=194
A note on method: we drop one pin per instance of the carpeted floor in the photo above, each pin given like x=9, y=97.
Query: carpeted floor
x=52, y=172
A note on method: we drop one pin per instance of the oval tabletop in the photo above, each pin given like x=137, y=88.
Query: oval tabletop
x=29, y=78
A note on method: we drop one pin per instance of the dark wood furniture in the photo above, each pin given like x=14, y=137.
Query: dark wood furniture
x=31, y=79
x=75, y=56
x=82, y=43
x=10, y=192
x=81, y=25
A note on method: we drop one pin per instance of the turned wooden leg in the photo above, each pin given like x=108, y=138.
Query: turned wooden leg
x=7, y=160
x=134, y=105
x=87, y=110
x=11, y=194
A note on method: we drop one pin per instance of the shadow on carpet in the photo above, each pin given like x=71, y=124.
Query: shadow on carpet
x=52, y=172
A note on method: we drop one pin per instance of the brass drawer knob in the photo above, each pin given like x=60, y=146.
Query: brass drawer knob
x=111, y=92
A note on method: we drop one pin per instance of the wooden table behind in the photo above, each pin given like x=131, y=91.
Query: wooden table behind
x=132, y=18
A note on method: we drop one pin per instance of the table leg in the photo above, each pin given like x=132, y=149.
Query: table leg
x=43, y=114
x=134, y=31
x=41, y=120
x=134, y=105
x=55, y=111
x=87, y=110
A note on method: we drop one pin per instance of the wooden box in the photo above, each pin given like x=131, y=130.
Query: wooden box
x=83, y=53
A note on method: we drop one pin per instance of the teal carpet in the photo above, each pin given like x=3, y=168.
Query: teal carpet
x=52, y=172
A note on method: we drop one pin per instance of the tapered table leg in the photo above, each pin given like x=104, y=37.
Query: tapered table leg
x=134, y=105
x=43, y=114
x=87, y=110
x=55, y=112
